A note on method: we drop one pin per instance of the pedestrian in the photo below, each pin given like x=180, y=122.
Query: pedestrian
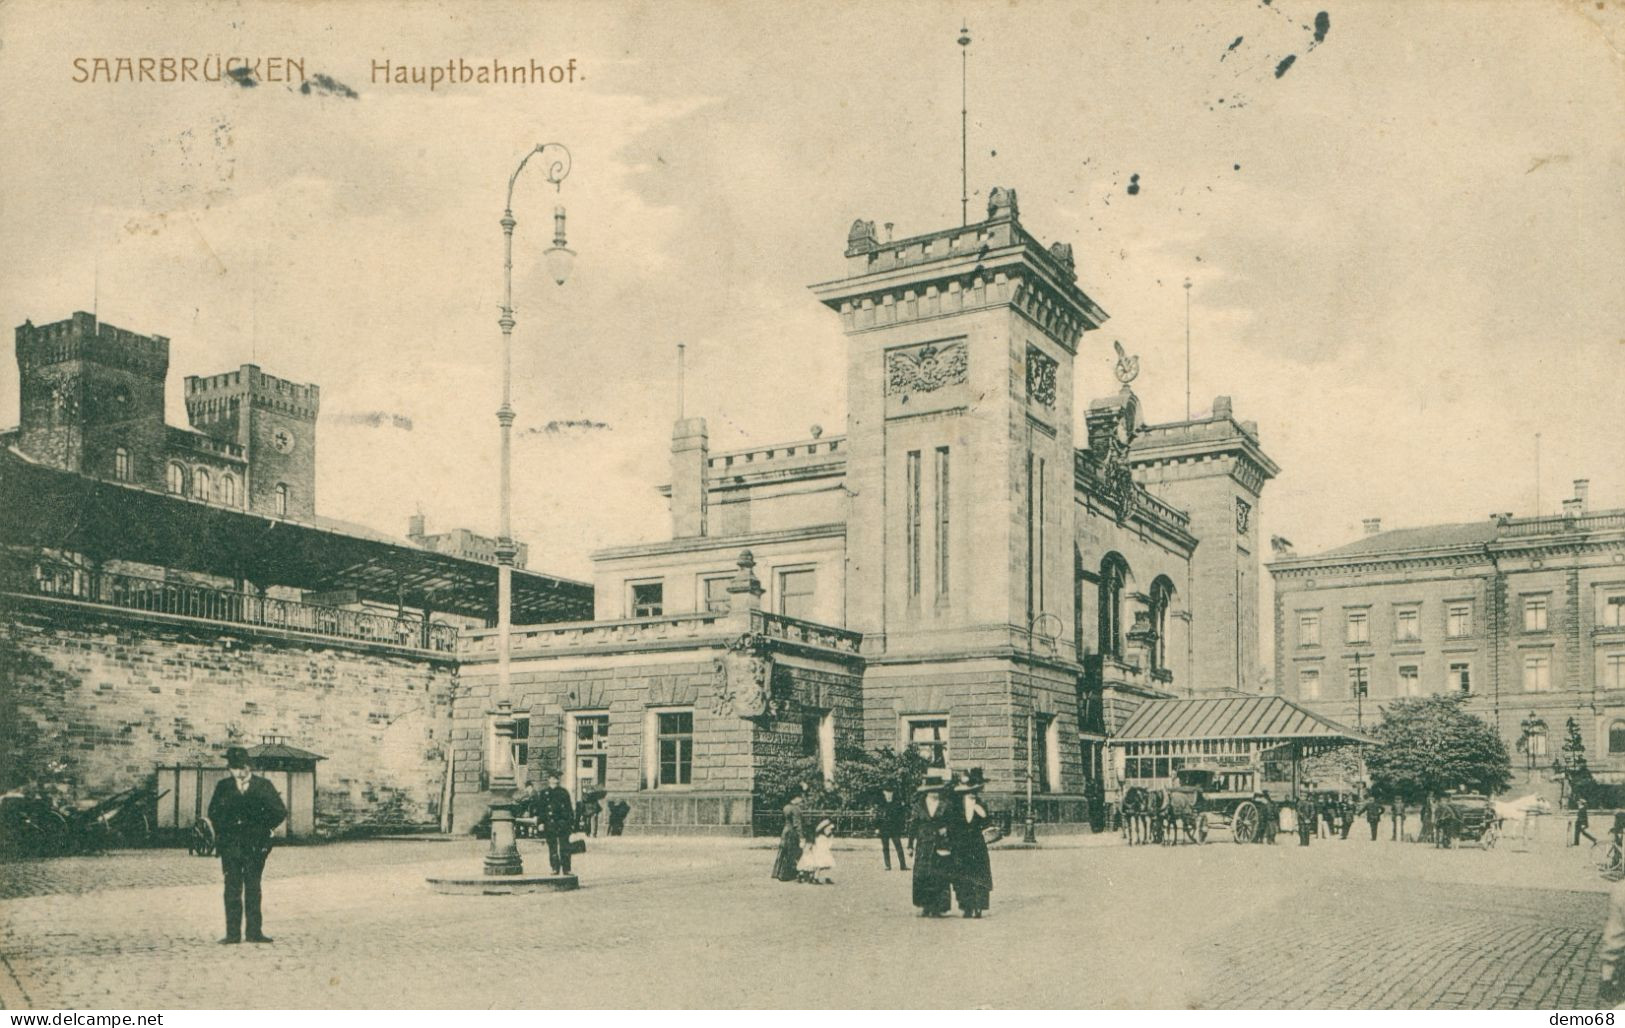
x=1268, y=819
x=1345, y=816
x=1306, y=819
x=790, y=836
x=929, y=823
x=556, y=819
x=972, y=874
x=891, y=819
x=818, y=858
x=1396, y=818
x=1582, y=822
x=244, y=810
x=1611, y=988
x=1373, y=815
x=1323, y=818
x=618, y=809
x=587, y=812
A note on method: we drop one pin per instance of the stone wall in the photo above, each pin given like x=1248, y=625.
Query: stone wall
x=111, y=695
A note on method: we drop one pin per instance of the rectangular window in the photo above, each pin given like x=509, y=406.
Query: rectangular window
x=1407, y=624
x=913, y=528
x=1534, y=613
x=1359, y=682
x=1041, y=753
x=1410, y=681
x=1537, y=672
x=1358, y=628
x=796, y=589
x=674, y=735
x=1613, y=670
x=1459, y=620
x=1309, y=629
x=592, y=733
x=928, y=736
x=521, y=747
x=121, y=464
x=648, y=599
x=1612, y=614
x=942, y=522
x=1309, y=683
x=1461, y=679
x=716, y=594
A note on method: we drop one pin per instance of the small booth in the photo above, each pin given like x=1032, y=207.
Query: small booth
x=289, y=768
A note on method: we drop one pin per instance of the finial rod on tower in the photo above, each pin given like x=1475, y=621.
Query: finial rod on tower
x=1187, y=349
x=964, y=125
x=680, y=386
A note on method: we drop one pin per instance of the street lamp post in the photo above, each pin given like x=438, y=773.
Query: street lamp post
x=1359, y=692
x=503, y=858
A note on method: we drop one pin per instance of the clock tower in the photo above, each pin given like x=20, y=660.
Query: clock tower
x=274, y=421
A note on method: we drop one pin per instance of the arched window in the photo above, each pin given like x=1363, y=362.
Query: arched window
x=1162, y=597
x=1113, y=573
x=200, y=483
x=175, y=479
x=1616, y=738
x=228, y=490
x=281, y=499
x=121, y=464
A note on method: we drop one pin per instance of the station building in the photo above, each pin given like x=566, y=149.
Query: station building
x=977, y=567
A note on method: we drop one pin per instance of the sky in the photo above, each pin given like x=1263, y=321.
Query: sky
x=1404, y=245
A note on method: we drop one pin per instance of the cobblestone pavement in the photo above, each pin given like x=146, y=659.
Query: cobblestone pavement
x=697, y=923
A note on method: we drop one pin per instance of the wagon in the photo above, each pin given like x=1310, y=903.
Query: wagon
x=1215, y=809
x=1466, y=817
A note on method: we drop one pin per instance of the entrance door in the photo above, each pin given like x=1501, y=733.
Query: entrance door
x=591, y=751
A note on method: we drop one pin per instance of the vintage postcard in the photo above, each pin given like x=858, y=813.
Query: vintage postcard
x=739, y=497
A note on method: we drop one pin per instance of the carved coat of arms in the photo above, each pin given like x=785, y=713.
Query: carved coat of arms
x=742, y=679
x=926, y=368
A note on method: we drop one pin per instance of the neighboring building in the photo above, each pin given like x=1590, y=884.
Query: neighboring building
x=460, y=542
x=92, y=402
x=165, y=592
x=1524, y=615
x=953, y=574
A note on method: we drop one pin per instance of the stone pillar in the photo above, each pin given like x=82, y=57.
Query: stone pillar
x=690, y=453
x=1141, y=640
x=744, y=589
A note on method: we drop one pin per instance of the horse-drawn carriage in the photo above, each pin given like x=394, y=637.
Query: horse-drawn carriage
x=1202, y=801
x=1466, y=817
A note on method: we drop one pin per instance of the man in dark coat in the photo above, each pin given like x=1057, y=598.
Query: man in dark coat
x=556, y=819
x=932, y=857
x=244, y=810
x=891, y=818
x=1268, y=819
x=1373, y=815
x=1306, y=819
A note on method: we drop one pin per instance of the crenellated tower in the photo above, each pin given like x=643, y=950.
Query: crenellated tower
x=274, y=421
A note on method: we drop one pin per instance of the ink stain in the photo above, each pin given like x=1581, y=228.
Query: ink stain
x=1231, y=48
x=572, y=425
x=243, y=76
x=1134, y=185
x=319, y=83
x=376, y=419
x=1286, y=62
x=1235, y=167
x=1323, y=24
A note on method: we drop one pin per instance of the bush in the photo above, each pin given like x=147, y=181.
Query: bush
x=859, y=777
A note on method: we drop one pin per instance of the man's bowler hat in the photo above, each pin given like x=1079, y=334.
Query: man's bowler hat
x=236, y=757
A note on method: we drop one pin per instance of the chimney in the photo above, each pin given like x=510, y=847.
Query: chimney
x=690, y=456
x=414, y=527
x=1221, y=408
x=1573, y=508
x=1372, y=525
x=1582, y=493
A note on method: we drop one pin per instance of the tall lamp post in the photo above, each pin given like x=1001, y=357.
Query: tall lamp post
x=1359, y=689
x=504, y=856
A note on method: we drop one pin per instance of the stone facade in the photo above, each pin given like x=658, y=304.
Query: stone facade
x=1524, y=615
x=109, y=696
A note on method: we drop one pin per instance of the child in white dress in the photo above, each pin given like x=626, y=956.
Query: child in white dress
x=818, y=858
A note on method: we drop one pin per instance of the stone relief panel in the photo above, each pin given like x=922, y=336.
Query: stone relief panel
x=926, y=368
x=1041, y=370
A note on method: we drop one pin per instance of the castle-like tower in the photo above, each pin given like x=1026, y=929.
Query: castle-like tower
x=92, y=398
x=274, y=421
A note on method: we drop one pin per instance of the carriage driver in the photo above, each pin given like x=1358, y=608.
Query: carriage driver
x=1269, y=818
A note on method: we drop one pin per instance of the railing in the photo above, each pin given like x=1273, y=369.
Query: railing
x=810, y=633
x=1547, y=524
x=763, y=454
x=576, y=635
x=129, y=592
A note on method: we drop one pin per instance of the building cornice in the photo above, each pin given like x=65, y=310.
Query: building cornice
x=701, y=543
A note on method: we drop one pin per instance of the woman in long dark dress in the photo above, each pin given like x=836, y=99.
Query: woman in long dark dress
x=784, y=865
x=931, y=853
x=972, y=872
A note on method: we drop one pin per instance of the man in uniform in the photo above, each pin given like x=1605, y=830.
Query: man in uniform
x=244, y=810
x=1373, y=814
x=556, y=819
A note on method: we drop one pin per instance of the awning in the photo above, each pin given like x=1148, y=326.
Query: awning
x=47, y=507
x=1232, y=717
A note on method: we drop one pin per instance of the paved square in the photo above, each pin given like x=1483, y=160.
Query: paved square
x=697, y=923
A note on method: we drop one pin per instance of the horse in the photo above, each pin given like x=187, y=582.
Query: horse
x=1182, y=807
x=1522, y=812
x=1136, y=826
x=1156, y=801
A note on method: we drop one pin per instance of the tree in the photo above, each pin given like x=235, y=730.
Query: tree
x=1571, y=763
x=1432, y=744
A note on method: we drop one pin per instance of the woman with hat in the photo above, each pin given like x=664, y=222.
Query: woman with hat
x=932, y=856
x=784, y=865
x=972, y=872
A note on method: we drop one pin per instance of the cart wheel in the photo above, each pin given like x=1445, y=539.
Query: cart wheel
x=1491, y=837
x=1201, y=828
x=1244, y=823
